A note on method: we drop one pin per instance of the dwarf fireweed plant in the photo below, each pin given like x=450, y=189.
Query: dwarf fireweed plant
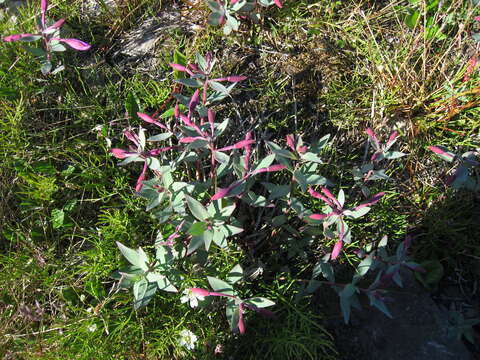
x=467, y=172
x=49, y=34
x=202, y=185
x=372, y=170
x=228, y=12
x=375, y=259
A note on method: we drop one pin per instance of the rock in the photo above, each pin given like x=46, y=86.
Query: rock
x=418, y=330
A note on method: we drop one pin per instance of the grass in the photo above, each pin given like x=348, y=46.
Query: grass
x=315, y=67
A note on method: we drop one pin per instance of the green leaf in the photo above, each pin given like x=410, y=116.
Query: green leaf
x=197, y=228
x=301, y=179
x=233, y=315
x=220, y=286
x=140, y=288
x=218, y=87
x=260, y=302
x=189, y=82
x=219, y=238
x=311, y=157
x=135, y=258
x=253, y=199
x=266, y=162
x=197, y=209
x=160, y=137
x=57, y=217
x=235, y=274
x=180, y=59
x=132, y=105
x=412, y=19
x=147, y=292
x=165, y=285
x=222, y=157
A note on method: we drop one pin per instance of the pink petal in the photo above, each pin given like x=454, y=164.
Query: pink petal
x=156, y=152
x=320, y=196
x=392, y=138
x=193, y=101
x=140, y=179
x=440, y=151
x=271, y=168
x=248, y=152
x=132, y=137
x=190, y=139
x=373, y=137
x=336, y=249
x=200, y=292
x=476, y=18
x=331, y=197
x=56, y=25
x=43, y=8
x=151, y=120
x=75, y=44
x=278, y=3
x=241, y=323
x=224, y=192
x=233, y=78
x=291, y=142
x=318, y=216
x=121, y=154
x=373, y=200
x=240, y=145
x=16, y=37
x=178, y=67
x=302, y=149
x=211, y=120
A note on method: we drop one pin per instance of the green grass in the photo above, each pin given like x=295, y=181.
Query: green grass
x=314, y=68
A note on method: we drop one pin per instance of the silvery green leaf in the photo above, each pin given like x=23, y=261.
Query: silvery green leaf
x=260, y=302
x=220, y=286
x=153, y=163
x=146, y=292
x=227, y=29
x=220, y=128
x=222, y=157
x=46, y=67
x=235, y=274
x=189, y=82
x=201, y=61
x=160, y=137
x=165, y=285
x=265, y=162
x=276, y=191
x=154, y=276
x=301, y=179
x=308, y=156
x=233, y=315
x=253, y=199
x=341, y=197
x=218, y=87
x=130, y=159
x=232, y=22
x=324, y=268
x=197, y=209
x=393, y=155
x=219, y=238
x=134, y=257
x=139, y=289
x=356, y=213
x=58, y=47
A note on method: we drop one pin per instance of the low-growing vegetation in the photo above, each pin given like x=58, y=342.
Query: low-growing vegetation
x=188, y=201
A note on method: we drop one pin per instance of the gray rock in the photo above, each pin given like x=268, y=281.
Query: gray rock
x=418, y=330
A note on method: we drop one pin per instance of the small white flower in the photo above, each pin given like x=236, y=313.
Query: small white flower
x=92, y=327
x=190, y=296
x=187, y=339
